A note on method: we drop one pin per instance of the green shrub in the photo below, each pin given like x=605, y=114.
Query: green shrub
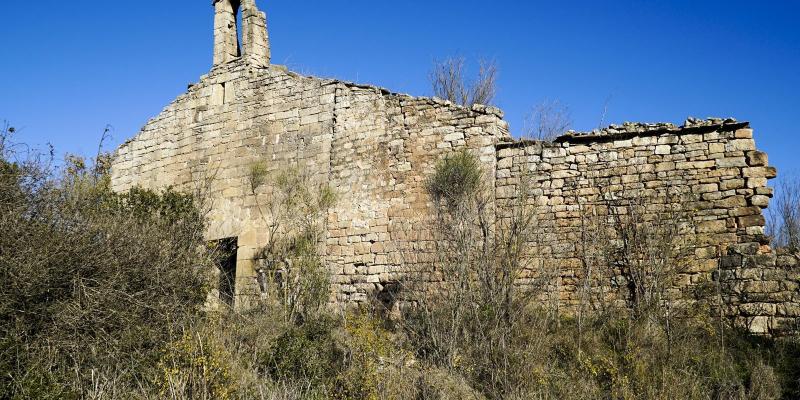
x=370, y=355
x=195, y=367
x=456, y=178
x=307, y=353
x=92, y=283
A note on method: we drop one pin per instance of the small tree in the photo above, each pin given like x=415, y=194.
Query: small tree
x=783, y=215
x=449, y=82
x=547, y=121
x=652, y=249
x=6, y=130
x=638, y=243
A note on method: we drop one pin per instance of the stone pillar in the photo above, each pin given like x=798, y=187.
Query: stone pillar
x=255, y=38
x=226, y=38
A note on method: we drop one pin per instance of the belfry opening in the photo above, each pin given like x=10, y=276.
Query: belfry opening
x=235, y=19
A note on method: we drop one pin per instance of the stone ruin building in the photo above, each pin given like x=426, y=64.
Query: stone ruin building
x=376, y=148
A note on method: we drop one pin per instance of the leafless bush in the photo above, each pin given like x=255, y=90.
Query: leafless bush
x=475, y=316
x=449, y=82
x=639, y=244
x=6, y=130
x=643, y=246
x=292, y=270
x=654, y=249
x=783, y=215
x=547, y=121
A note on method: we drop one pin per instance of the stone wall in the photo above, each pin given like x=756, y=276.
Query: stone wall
x=761, y=289
x=372, y=146
x=706, y=176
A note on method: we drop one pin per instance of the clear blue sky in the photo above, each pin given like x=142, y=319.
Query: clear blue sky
x=71, y=67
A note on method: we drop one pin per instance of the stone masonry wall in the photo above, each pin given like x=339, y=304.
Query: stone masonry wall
x=373, y=147
x=761, y=289
x=709, y=171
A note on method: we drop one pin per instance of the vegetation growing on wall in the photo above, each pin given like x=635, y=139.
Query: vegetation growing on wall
x=450, y=83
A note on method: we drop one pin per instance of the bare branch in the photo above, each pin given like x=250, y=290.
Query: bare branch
x=783, y=215
x=547, y=121
x=448, y=82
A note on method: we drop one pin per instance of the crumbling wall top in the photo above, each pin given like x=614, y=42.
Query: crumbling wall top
x=640, y=129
